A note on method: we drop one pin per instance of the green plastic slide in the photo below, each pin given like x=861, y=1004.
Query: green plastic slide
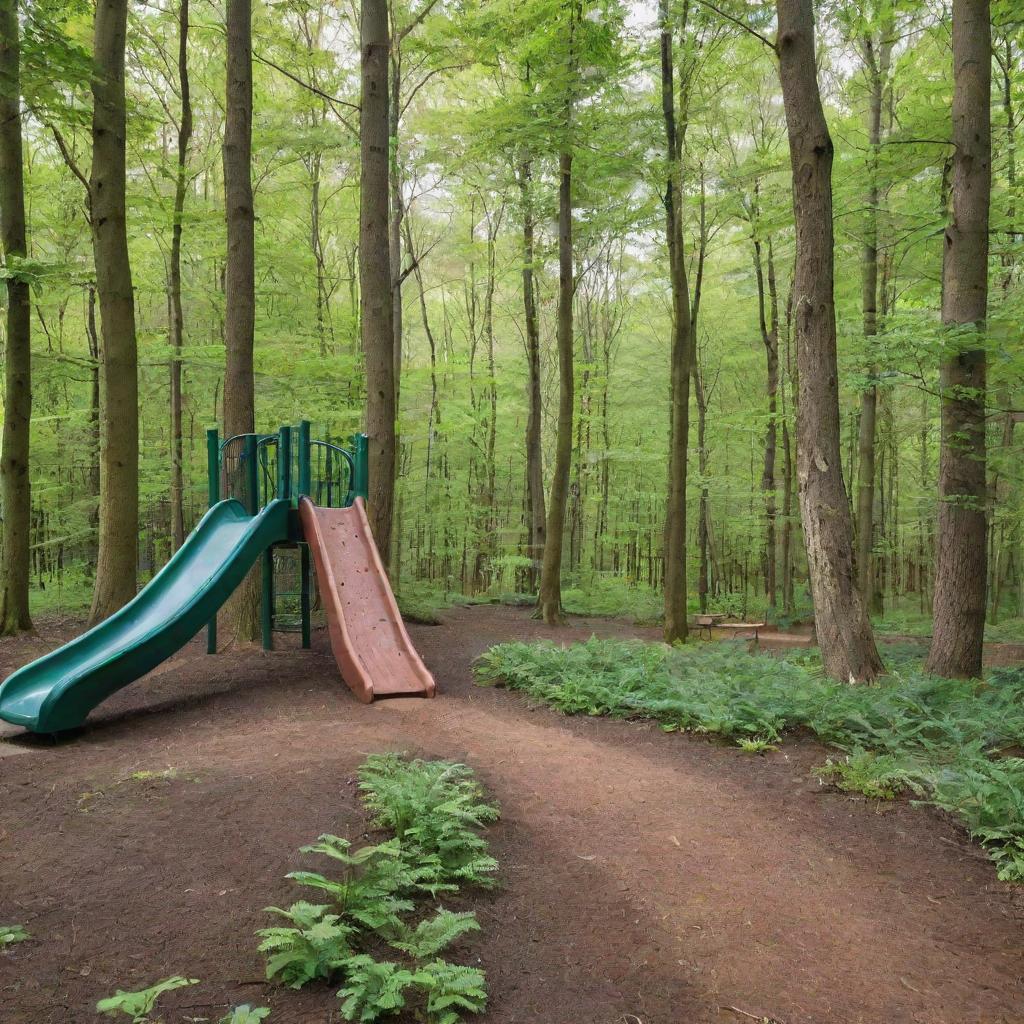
x=60, y=689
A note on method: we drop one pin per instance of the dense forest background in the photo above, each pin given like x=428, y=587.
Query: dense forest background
x=474, y=154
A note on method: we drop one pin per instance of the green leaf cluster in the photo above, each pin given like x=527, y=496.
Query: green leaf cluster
x=139, y=1005
x=384, y=892
x=11, y=933
x=436, y=810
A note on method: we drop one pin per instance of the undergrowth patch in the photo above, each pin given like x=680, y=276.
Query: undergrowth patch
x=380, y=929
x=940, y=740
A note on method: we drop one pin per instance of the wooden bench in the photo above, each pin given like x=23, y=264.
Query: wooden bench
x=705, y=621
x=740, y=627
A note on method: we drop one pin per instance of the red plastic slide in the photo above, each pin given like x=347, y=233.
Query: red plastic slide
x=368, y=637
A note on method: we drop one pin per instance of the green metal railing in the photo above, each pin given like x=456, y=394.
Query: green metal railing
x=259, y=468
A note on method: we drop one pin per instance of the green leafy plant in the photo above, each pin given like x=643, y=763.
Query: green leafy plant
x=430, y=936
x=436, y=810
x=451, y=989
x=375, y=882
x=246, y=1014
x=756, y=745
x=373, y=989
x=380, y=988
x=314, y=945
x=881, y=776
x=139, y=1005
x=12, y=933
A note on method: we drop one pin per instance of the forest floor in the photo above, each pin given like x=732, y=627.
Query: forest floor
x=645, y=877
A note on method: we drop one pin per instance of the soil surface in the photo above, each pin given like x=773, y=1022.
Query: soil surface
x=646, y=877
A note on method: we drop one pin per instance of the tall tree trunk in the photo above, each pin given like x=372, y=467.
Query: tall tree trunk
x=177, y=319
x=876, y=59
x=534, y=452
x=240, y=269
x=961, y=558
x=550, y=604
x=15, y=487
x=844, y=632
x=375, y=294
x=117, y=560
x=92, y=337
x=397, y=212
x=679, y=398
x=769, y=326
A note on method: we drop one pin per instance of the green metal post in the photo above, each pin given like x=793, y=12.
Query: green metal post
x=213, y=464
x=305, y=467
x=305, y=482
x=329, y=470
x=252, y=474
x=284, y=463
x=361, y=460
x=250, y=458
x=213, y=480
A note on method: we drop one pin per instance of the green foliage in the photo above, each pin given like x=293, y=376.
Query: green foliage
x=246, y=1014
x=380, y=988
x=450, y=990
x=880, y=776
x=315, y=945
x=431, y=935
x=436, y=810
x=375, y=882
x=139, y=1005
x=374, y=989
x=12, y=933
x=755, y=745
x=612, y=596
x=989, y=796
x=940, y=739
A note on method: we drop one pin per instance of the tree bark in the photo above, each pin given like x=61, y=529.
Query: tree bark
x=240, y=270
x=876, y=59
x=769, y=326
x=15, y=485
x=675, y=627
x=177, y=318
x=844, y=632
x=534, y=452
x=375, y=284
x=961, y=557
x=550, y=603
x=117, y=560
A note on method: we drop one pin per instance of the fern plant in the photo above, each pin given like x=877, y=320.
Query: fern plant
x=139, y=1005
x=380, y=988
x=373, y=989
x=880, y=776
x=375, y=882
x=436, y=810
x=451, y=990
x=314, y=945
x=430, y=936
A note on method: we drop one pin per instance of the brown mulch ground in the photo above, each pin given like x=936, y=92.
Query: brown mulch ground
x=646, y=877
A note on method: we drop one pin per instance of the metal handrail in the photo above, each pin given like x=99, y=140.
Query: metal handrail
x=333, y=449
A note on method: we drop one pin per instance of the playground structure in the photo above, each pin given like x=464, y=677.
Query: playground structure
x=266, y=492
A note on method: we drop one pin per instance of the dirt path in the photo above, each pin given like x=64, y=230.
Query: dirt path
x=646, y=876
